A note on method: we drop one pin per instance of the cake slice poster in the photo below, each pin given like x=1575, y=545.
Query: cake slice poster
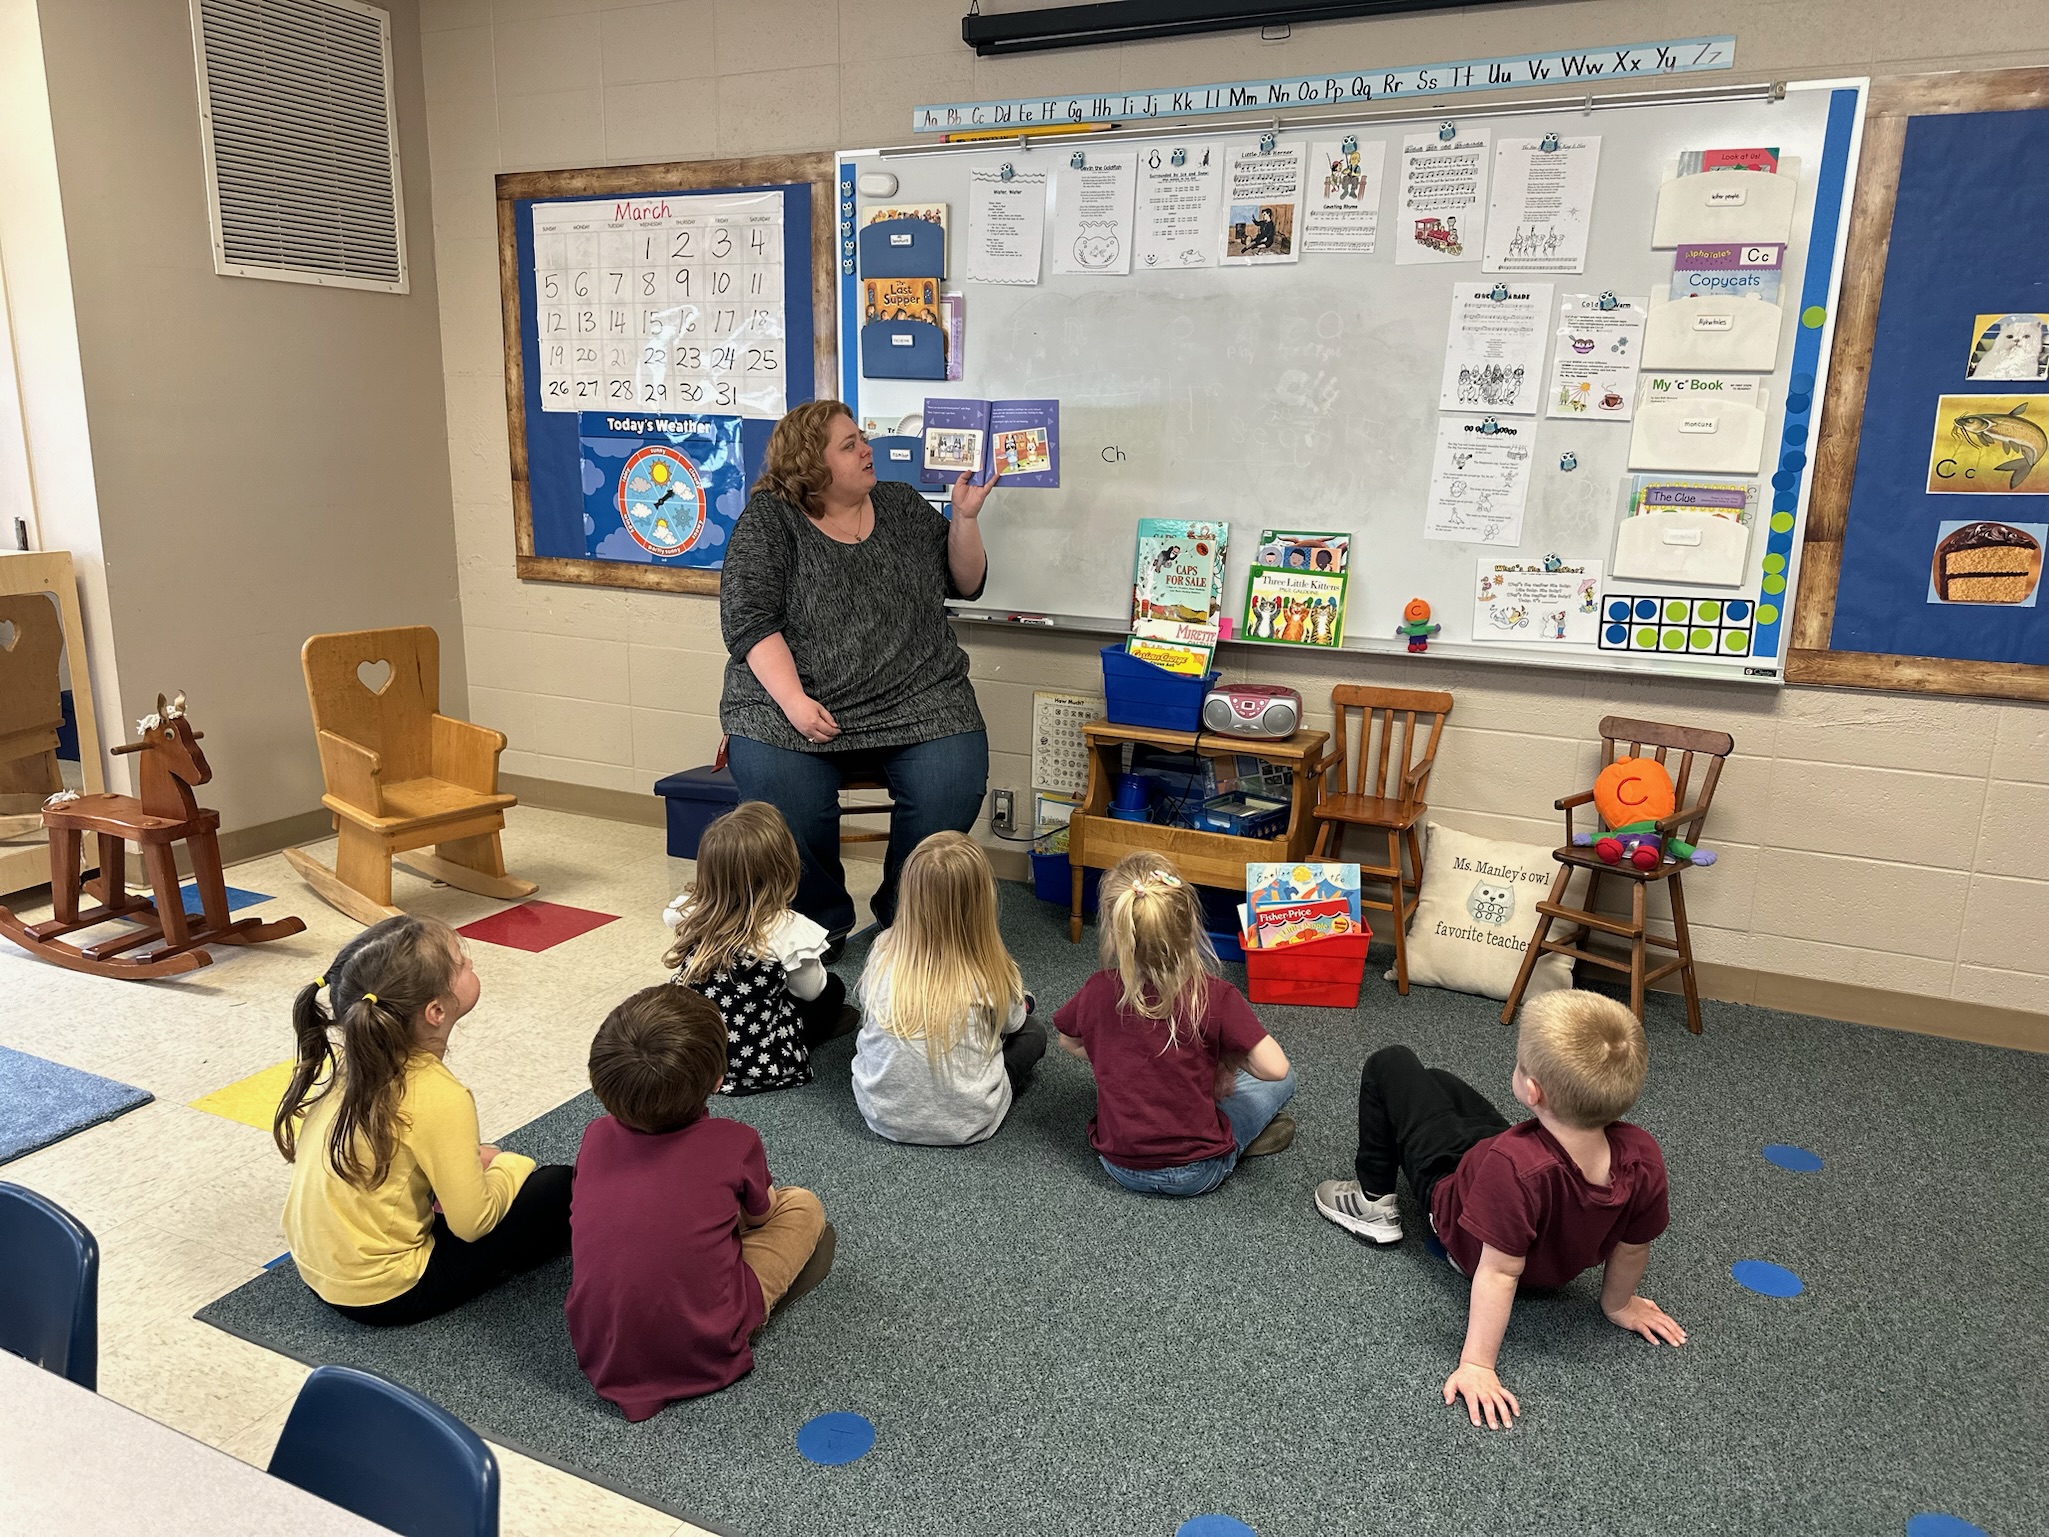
x=1987, y=562
x=1990, y=445
x=661, y=490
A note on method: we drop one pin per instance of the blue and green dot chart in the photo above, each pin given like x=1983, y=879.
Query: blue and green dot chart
x=1677, y=624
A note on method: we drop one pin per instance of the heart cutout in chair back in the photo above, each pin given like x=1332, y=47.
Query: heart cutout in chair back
x=375, y=676
x=10, y=632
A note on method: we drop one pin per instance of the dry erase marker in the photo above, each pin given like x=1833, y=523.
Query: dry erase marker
x=1029, y=619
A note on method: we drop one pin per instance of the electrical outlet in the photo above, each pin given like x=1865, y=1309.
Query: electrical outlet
x=1002, y=812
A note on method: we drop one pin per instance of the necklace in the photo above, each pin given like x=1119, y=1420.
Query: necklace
x=867, y=510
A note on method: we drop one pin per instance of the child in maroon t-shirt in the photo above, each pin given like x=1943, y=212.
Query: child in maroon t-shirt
x=1187, y=1079
x=681, y=1246
x=1532, y=1204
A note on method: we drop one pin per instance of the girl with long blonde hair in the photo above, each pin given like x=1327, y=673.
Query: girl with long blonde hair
x=1187, y=1079
x=738, y=942
x=947, y=1042
x=397, y=1212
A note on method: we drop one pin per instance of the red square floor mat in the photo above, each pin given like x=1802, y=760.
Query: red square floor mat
x=535, y=926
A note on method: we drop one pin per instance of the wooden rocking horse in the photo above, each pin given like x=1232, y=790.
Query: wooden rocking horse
x=164, y=813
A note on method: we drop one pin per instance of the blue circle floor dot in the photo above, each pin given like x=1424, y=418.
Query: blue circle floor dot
x=1935, y=1524
x=1215, y=1526
x=832, y=1439
x=1767, y=1279
x=1787, y=1156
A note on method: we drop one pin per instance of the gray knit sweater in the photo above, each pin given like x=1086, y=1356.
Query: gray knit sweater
x=866, y=623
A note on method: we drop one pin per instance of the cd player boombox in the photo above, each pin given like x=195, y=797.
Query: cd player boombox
x=1252, y=709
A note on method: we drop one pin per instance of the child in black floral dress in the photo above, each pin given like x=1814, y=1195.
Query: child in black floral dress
x=761, y=964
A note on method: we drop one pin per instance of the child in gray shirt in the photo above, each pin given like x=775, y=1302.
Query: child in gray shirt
x=946, y=1038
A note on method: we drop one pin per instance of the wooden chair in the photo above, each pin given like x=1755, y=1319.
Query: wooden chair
x=1622, y=738
x=883, y=809
x=1383, y=790
x=159, y=816
x=400, y=775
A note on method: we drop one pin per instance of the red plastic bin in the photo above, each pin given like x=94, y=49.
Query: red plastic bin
x=1324, y=973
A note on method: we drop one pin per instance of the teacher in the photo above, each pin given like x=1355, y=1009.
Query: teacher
x=840, y=661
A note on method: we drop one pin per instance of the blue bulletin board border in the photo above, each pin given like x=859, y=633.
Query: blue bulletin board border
x=549, y=449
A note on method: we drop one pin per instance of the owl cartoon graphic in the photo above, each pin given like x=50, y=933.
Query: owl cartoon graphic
x=1491, y=903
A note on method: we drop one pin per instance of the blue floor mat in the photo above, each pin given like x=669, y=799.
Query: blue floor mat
x=43, y=1102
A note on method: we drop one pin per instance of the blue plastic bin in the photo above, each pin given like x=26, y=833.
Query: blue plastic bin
x=695, y=799
x=1053, y=881
x=1137, y=693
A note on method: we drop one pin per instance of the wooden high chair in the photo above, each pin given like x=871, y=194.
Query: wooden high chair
x=1383, y=791
x=1632, y=736
x=400, y=775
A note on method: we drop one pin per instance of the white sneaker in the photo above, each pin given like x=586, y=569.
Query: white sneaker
x=1375, y=1220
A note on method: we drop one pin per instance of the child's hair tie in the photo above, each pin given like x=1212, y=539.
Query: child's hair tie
x=1156, y=880
x=319, y=983
x=371, y=998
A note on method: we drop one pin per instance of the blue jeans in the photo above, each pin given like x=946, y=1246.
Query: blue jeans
x=1253, y=1103
x=937, y=787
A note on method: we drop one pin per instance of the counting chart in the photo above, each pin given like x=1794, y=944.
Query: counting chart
x=674, y=302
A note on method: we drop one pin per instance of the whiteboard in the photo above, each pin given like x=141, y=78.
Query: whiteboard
x=1305, y=396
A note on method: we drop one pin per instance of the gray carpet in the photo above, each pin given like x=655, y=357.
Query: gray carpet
x=42, y=1102
x=1043, y=1353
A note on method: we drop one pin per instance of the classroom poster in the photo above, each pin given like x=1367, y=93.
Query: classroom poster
x=2009, y=347
x=1554, y=602
x=1176, y=223
x=1092, y=212
x=1342, y=210
x=1542, y=205
x=1479, y=481
x=1006, y=225
x=1990, y=445
x=1494, y=350
x=1593, y=367
x=1443, y=210
x=1262, y=205
x=660, y=489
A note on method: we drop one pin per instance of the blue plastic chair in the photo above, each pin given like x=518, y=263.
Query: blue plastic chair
x=391, y=1456
x=49, y=1286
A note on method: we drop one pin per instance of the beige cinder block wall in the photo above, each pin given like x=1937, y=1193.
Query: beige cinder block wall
x=270, y=458
x=1890, y=841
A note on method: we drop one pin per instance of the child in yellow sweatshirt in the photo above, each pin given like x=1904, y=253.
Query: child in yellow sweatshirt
x=397, y=1213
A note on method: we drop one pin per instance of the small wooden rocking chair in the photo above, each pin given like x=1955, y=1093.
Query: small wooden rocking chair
x=400, y=775
x=165, y=812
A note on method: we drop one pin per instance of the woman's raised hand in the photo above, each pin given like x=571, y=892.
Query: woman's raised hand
x=813, y=721
x=968, y=499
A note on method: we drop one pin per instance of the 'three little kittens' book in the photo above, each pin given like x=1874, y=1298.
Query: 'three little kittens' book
x=1296, y=594
x=1017, y=439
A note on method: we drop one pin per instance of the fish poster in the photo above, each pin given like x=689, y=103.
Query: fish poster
x=1091, y=208
x=1990, y=445
x=2009, y=347
x=661, y=490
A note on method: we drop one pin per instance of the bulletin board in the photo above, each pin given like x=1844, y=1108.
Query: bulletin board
x=1930, y=475
x=659, y=320
x=1309, y=396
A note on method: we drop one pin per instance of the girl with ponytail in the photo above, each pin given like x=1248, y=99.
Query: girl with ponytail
x=396, y=1213
x=1187, y=1079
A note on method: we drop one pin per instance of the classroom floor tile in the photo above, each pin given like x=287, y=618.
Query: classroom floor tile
x=185, y=1195
x=536, y=926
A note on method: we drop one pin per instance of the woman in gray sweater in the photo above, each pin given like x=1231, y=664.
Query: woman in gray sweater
x=840, y=661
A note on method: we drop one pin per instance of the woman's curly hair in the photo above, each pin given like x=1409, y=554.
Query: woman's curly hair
x=795, y=467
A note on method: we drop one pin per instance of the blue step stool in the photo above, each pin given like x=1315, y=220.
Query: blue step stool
x=694, y=798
